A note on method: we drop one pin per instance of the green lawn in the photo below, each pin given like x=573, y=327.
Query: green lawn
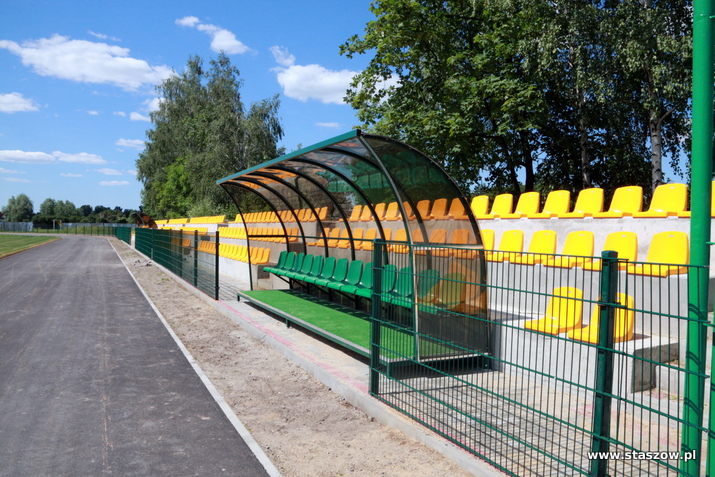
x=10, y=244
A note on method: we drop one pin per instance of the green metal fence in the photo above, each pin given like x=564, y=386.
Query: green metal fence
x=599, y=389
x=124, y=234
x=64, y=229
x=191, y=256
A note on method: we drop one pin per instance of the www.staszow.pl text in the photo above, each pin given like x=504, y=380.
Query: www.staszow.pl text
x=636, y=455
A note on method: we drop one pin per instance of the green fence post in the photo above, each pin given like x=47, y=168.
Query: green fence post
x=604, y=362
x=216, y=280
x=196, y=257
x=376, y=315
x=700, y=200
x=180, y=265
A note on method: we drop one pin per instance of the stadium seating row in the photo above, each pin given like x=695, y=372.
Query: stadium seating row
x=260, y=234
x=669, y=200
x=667, y=254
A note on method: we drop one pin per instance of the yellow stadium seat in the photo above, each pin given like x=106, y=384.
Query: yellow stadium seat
x=502, y=205
x=511, y=243
x=355, y=213
x=623, y=323
x=392, y=212
x=667, y=254
x=487, y=239
x=557, y=202
x=588, y=202
x=456, y=210
x=400, y=236
x=667, y=201
x=370, y=234
x=335, y=235
x=357, y=235
x=626, y=201
x=480, y=207
x=423, y=208
x=625, y=243
x=370, y=245
x=563, y=312
x=439, y=210
x=542, y=242
x=578, y=249
x=528, y=203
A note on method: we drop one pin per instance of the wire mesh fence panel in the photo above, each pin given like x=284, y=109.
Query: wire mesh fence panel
x=543, y=368
x=190, y=256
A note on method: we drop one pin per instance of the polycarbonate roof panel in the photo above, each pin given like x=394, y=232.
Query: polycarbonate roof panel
x=358, y=170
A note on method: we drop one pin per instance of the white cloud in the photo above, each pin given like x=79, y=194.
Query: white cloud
x=114, y=183
x=86, y=62
x=109, y=172
x=8, y=171
x=34, y=157
x=328, y=125
x=153, y=104
x=103, y=36
x=93, y=113
x=306, y=82
x=16, y=179
x=69, y=174
x=135, y=143
x=187, y=21
x=132, y=172
x=221, y=39
x=120, y=113
x=27, y=157
x=16, y=102
x=134, y=116
x=81, y=158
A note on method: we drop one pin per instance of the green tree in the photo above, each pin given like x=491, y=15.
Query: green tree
x=66, y=211
x=566, y=94
x=202, y=133
x=18, y=209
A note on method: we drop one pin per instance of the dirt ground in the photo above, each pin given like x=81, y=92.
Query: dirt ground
x=304, y=428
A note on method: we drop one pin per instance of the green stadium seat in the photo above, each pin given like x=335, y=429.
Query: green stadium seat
x=325, y=274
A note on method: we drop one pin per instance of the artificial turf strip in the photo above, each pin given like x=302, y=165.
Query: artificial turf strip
x=348, y=324
x=11, y=244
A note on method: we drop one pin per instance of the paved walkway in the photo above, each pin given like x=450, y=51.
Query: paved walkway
x=91, y=382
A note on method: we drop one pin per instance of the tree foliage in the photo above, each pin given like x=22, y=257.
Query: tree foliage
x=202, y=133
x=529, y=94
x=18, y=209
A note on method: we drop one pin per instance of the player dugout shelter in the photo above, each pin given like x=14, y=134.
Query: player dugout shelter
x=338, y=197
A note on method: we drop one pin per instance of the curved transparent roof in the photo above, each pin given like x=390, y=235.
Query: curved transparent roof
x=357, y=181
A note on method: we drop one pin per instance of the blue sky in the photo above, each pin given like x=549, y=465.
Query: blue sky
x=78, y=79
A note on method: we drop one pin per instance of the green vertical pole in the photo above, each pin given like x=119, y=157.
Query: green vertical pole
x=604, y=362
x=216, y=277
x=701, y=168
x=376, y=315
x=196, y=257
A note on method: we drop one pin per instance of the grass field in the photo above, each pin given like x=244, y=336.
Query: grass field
x=10, y=244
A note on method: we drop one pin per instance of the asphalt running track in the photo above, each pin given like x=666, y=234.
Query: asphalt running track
x=91, y=381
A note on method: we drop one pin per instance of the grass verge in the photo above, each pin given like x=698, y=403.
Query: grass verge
x=11, y=244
